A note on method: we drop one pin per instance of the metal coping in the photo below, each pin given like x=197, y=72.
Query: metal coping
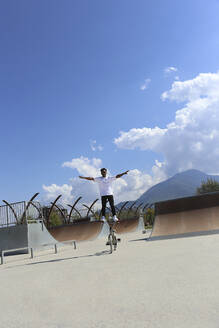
x=187, y=203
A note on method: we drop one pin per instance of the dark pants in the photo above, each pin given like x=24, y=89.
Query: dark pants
x=104, y=200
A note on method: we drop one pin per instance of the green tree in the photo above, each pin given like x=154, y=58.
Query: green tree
x=210, y=185
x=149, y=217
x=55, y=219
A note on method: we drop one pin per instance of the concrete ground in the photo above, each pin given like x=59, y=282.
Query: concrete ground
x=166, y=283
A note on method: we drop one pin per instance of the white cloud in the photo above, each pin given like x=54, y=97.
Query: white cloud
x=170, y=69
x=145, y=85
x=85, y=166
x=94, y=146
x=142, y=138
x=136, y=183
x=53, y=191
x=192, y=139
x=205, y=85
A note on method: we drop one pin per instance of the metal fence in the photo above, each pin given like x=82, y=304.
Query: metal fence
x=18, y=213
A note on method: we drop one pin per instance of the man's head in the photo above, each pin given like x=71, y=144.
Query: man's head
x=103, y=172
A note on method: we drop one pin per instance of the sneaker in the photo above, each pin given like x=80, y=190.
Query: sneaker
x=115, y=219
x=103, y=219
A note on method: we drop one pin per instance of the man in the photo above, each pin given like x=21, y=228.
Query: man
x=106, y=191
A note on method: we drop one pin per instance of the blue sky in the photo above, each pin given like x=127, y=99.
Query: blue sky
x=72, y=76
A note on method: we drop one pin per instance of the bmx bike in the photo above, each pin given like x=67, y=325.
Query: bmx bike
x=112, y=239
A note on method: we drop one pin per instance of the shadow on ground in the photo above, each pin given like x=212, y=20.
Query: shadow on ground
x=105, y=252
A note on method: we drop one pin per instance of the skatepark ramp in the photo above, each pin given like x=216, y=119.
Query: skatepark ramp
x=129, y=225
x=86, y=231
x=24, y=238
x=189, y=216
x=78, y=231
x=22, y=229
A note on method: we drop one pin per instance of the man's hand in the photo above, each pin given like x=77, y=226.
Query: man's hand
x=86, y=178
x=121, y=174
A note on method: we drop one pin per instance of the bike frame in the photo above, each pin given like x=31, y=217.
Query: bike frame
x=112, y=240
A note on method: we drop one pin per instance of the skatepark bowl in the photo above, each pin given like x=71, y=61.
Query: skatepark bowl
x=79, y=231
x=189, y=216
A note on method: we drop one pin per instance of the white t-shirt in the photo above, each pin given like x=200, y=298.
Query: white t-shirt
x=105, y=185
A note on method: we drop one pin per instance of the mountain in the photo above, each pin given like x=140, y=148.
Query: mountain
x=180, y=185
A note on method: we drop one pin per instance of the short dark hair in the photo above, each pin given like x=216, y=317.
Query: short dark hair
x=103, y=169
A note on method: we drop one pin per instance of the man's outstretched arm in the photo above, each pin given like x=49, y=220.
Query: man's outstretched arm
x=87, y=178
x=121, y=174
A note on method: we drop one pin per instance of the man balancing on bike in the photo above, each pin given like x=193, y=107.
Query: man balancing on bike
x=106, y=191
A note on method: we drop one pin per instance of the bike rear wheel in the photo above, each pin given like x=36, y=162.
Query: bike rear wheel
x=114, y=241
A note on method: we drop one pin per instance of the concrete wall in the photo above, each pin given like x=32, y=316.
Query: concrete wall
x=13, y=237
x=33, y=235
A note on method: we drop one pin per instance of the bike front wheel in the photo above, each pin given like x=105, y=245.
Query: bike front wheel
x=110, y=241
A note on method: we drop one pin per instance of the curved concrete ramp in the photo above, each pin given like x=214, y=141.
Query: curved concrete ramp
x=17, y=239
x=188, y=216
x=38, y=235
x=129, y=225
x=77, y=231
